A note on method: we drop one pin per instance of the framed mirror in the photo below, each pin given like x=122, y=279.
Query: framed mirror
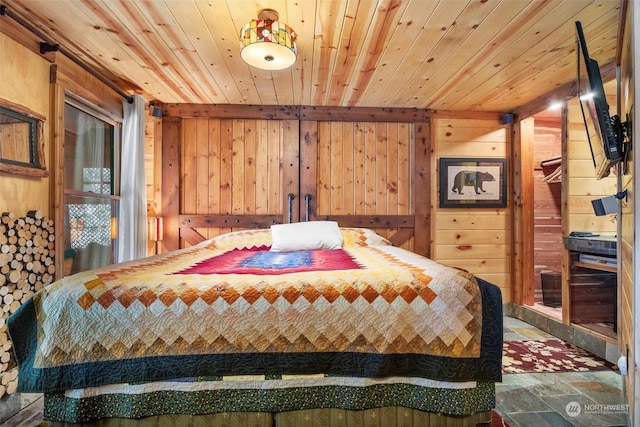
x=21, y=141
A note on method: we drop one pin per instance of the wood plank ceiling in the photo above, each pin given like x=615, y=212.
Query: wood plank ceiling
x=477, y=55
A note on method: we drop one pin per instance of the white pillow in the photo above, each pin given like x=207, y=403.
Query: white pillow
x=300, y=236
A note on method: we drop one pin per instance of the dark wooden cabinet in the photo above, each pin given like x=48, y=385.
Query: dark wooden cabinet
x=593, y=283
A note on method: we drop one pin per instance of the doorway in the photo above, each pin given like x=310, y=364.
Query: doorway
x=547, y=178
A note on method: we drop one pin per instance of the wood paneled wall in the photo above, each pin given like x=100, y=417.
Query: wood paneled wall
x=628, y=333
x=581, y=183
x=24, y=81
x=476, y=239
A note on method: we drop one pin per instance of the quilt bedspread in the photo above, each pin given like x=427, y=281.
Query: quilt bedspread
x=229, y=306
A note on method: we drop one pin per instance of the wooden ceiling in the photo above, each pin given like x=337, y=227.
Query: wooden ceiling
x=478, y=55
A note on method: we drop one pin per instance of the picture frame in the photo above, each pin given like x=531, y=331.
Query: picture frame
x=473, y=182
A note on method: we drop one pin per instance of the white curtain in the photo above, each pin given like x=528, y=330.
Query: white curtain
x=132, y=227
x=89, y=221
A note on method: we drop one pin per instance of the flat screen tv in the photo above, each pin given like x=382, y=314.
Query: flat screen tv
x=601, y=130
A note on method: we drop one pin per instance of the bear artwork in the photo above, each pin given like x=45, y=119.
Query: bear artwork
x=471, y=178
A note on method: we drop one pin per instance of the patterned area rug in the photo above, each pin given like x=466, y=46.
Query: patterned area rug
x=551, y=355
x=497, y=420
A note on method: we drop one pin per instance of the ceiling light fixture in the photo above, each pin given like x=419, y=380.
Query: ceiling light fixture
x=268, y=44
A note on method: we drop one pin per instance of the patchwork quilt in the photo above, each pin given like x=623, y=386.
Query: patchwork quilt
x=230, y=306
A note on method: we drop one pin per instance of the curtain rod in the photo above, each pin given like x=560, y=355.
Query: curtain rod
x=50, y=46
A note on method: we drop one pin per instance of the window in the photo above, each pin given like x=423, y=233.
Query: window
x=91, y=190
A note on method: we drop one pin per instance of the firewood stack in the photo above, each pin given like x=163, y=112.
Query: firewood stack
x=27, y=251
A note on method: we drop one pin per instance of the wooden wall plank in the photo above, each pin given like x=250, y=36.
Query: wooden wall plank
x=467, y=237
x=290, y=132
x=479, y=133
x=393, y=205
x=238, y=180
x=463, y=219
x=310, y=113
x=370, y=168
x=309, y=168
x=214, y=162
x=323, y=198
x=262, y=167
x=381, y=176
x=523, y=245
x=274, y=173
x=406, y=161
x=420, y=196
x=348, y=156
x=336, y=168
x=250, y=170
x=359, y=170
x=188, y=158
x=470, y=251
x=219, y=221
x=57, y=176
x=171, y=142
x=226, y=170
x=201, y=170
x=494, y=149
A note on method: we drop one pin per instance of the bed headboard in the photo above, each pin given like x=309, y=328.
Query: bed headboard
x=227, y=168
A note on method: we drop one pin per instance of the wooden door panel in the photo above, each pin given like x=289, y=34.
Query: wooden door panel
x=224, y=173
x=235, y=174
x=363, y=175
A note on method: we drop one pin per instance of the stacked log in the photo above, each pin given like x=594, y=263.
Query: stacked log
x=27, y=249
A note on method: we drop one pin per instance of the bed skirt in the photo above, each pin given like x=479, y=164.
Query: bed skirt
x=378, y=417
x=166, y=401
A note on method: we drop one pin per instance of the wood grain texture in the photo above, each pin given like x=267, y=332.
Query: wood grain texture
x=547, y=213
x=27, y=264
x=489, y=241
x=24, y=86
x=437, y=54
x=581, y=183
x=232, y=172
x=358, y=173
x=628, y=219
x=364, y=168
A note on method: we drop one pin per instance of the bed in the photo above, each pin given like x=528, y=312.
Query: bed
x=300, y=324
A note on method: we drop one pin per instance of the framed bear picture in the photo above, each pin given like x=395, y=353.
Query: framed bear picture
x=473, y=183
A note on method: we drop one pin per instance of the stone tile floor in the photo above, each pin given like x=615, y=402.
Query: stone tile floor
x=584, y=399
